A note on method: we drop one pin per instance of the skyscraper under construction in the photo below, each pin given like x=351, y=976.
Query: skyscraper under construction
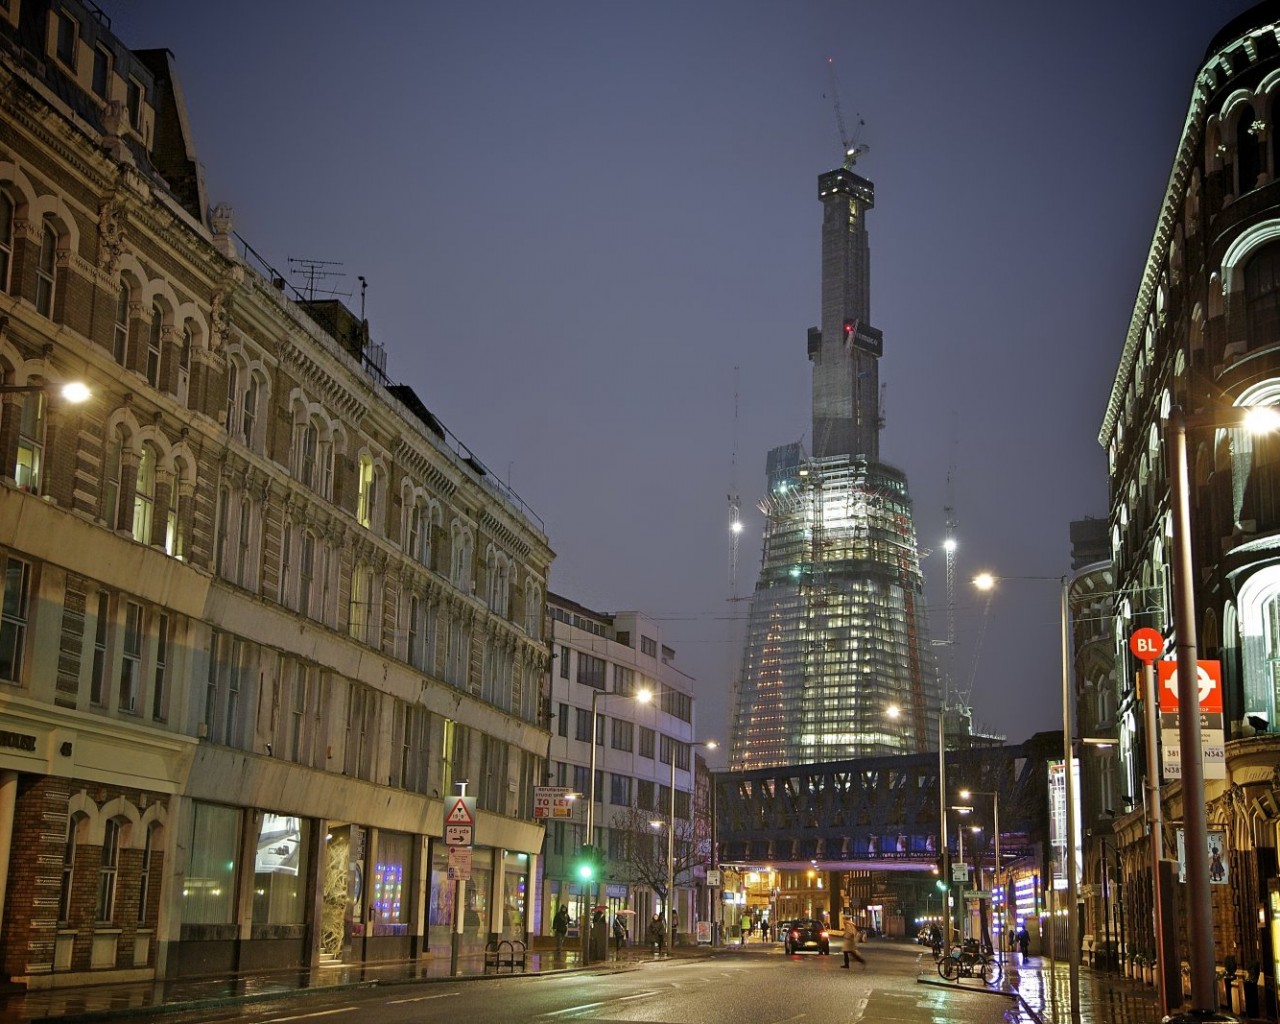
x=837, y=661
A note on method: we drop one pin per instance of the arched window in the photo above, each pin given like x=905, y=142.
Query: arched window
x=154, y=335
x=6, y=238
x=233, y=392
x=221, y=527
x=249, y=407
x=1262, y=296
x=308, y=440
x=144, y=873
x=367, y=492
x=111, y=481
x=68, y=867
x=413, y=530
x=108, y=870
x=245, y=563
x=1248, y=157
x=120, y=336
x=30, y=461
x=144, y=495
x=45, y=262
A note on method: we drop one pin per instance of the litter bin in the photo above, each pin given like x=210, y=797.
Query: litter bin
x=599, y=938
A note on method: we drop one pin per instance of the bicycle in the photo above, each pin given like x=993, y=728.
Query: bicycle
x=969, y=962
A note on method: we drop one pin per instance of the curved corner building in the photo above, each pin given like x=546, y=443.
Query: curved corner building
x=838, y=633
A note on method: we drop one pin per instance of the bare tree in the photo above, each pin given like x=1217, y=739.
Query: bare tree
x=644, y=859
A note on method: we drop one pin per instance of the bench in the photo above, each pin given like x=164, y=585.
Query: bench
x=508, y=953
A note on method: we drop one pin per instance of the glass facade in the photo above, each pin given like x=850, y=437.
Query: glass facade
x=209, y=891
x=280, y=870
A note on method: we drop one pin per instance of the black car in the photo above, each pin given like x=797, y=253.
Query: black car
x=806, y=934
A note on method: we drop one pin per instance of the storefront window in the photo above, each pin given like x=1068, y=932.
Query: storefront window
x=280, y=870
x=392, y=879
x=476, y=913
x=208, y=896
x=440, y=898
x=515, y=893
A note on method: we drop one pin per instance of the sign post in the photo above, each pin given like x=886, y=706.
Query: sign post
x=1146, y=645
x=1212, y=744
x=459, y=828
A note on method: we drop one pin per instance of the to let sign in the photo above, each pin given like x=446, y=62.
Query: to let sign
x=552, y=802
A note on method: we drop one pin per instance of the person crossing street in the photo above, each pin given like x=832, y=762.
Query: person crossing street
x=852, y=937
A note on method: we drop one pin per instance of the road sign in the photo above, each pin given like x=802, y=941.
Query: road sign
x=461, y=813
x=713, y=876
x=459, y=835
x=460, y=863
x=552, y=802
x=1212, y=733
x=1146, y=644
x=977, y=894
x=959, y=871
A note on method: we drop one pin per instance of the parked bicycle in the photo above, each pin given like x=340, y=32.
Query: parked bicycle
x=969, y=961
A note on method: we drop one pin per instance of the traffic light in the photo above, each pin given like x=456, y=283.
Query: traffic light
x=940, y=869
x=588, y=865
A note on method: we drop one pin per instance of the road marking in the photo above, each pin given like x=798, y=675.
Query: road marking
x=638, y=995
x=422, y=999
x=572, y=1009
x=304, y=1016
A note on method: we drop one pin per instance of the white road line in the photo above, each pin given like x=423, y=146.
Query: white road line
x=304, y=1016
x=572, y=1009
x=638, y=995
x=422, y=999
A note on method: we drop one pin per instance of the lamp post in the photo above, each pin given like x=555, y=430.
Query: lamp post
x=986, y=581
x=671, y=829
x=1004, y=924
x=1256, y=419
x=893, y=711
x=74, y=391
x=643, y=696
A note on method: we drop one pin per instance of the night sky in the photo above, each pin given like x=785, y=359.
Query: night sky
x=590, y=232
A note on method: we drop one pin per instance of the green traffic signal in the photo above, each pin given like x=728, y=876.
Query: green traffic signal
x=940, y=885
x=585, y=868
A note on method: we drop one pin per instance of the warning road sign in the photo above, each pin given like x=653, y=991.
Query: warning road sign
x=461, y=813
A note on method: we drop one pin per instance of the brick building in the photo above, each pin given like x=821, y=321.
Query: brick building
x=260, y=611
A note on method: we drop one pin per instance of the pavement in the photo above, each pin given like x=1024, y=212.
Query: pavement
x=1034, y=992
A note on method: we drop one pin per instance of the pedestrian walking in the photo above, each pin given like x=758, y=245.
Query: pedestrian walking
x=852, y=937
x=764, y=930
x=658, y=934
x=749, y=925
x=560, y=926
x=619, y=934
x=1024, y=943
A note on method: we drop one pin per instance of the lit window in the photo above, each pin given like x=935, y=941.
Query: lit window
x=29, y=463
x=44, y=270
x=364, y=508
x=144, y=495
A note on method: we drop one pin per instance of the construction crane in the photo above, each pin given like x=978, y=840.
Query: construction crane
x=849, y=144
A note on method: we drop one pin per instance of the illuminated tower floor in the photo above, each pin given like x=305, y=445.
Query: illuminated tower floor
x=837, y=633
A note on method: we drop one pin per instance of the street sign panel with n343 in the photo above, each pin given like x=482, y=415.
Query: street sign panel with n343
x=1212, y=734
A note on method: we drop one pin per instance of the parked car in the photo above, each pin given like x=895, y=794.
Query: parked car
x=806, y=934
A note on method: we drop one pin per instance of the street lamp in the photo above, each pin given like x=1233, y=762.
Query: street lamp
x=644, y=696
x=1255, y=419
x=986, y=581
x=74, y=391
x=1004, y=924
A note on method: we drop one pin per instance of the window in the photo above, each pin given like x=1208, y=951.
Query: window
x=414, y=651
x=160, y=689
x=562, y=720
x=120, y=336
x=620, y=790
x=133, y=103
x=45, y=262
x=648, y=646
x=308, y=439
x=624, y=680
x=366, y=483
x=6, y=238
x=664, y=749
x=13, y=618
x=221, y=526
x=30, y=460
x=68, y=35
x=245, y=560
x=646, y=742
x=154, y=335
x=98, y=681
x=68, y=867
x=233, y=390
x=1262, y=296
x=144, y=873
x=358, y=613
x=144, y=495
x=131, y=657
x=280, y=870
x=213, y=842
x=564, y=662
x=249, y=407
x=582, y=731
x=411, y=737
x=623, y=735
x=306, y=572
x=581, y=779
x=591, y=670
x=108, y=869
x=101, y=72
x=645, y=795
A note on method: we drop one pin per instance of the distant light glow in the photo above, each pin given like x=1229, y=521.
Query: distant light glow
x=75, y=392
x=736, y=526
x=949, y=545
x=1261, y=419
x=984, y=581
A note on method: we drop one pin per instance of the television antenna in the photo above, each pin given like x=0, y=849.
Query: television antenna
x=313, y=271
